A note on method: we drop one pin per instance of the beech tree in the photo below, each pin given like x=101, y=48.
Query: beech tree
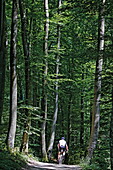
x=44, y=81
x=98, y=82
x=2, y=55
x=25, y=41
x=53, y=129
x=13, y=79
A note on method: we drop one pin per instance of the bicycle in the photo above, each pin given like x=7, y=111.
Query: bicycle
x=61, y=157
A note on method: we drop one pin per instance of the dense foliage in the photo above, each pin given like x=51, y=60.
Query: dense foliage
x=79, y=24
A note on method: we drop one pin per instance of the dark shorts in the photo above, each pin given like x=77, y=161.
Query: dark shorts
x=60, y=149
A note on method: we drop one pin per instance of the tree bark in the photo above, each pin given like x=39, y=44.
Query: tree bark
x=13, y=80
x=2, y=55
x=50, y=148
x=25, y=139
x=44, y=81
x=97, y=86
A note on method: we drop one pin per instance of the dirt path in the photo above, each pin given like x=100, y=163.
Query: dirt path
x=33, y=165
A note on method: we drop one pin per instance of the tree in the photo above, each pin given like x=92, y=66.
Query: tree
x=44, y=81
x=13, y=79
x=25, y=139
x=97, y=86
x=2, y=55
x=53, y=129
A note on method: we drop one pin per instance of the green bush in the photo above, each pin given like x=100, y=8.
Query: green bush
x=10, y=161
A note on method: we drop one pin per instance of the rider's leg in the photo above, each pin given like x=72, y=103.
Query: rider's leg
x=59, y=150
x=58, y=154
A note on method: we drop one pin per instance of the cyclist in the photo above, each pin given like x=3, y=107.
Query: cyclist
x=62, y=145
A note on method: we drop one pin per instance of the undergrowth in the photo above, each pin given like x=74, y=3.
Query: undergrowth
x=12, y=161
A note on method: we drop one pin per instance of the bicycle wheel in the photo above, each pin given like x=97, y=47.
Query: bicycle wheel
x=60, y=160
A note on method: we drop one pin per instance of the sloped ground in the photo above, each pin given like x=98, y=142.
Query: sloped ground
x=10, y=161
x=34, y=165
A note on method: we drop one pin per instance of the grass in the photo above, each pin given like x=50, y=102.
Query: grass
x=10, y=161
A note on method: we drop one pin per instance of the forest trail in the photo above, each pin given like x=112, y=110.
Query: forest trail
x=34, y=165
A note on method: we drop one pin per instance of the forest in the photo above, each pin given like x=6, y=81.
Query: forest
x=56, y=79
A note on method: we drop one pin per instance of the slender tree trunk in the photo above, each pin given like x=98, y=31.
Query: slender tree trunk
x=50, y=148
x=44, y=91
x=13, y=80
x=25, y=139
x=70, y=71
x=97, y=87
x=36, y=95
x=2, y=55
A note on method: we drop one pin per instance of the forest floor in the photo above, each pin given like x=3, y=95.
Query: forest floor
x=17, y=161
x=34, y=165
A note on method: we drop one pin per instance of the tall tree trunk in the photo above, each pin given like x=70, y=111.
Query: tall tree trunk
x=44, y=91
x=71, y=76
x=2, y=55
x=13, y=80
x=50, y=148
x=25, y=139
x=97, y=86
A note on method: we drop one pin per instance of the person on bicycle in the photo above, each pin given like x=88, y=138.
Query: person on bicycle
x=62, y=144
